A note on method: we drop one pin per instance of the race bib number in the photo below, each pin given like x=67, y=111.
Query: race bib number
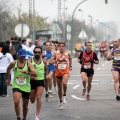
x=21, y=80
x=87, y=66
x=48, y=61
x=61, y=66
x=105, y=49
x=116, y=57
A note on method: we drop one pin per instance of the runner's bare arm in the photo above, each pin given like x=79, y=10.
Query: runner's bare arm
x=11, y=65
x=52, y=60
x=110, y=57
x=32, y=72
x=70, y=59
x=45, y=67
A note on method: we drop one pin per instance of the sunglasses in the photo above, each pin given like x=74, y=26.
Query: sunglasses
x=56, y=44
x=37, y=52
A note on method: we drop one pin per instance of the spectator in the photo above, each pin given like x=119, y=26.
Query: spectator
x=5, y=59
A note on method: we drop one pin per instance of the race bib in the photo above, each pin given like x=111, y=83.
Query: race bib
x=61, y=66
x=105, y=49
x=21, y=80
x=116, y=57
x=87, y=66
x=48, y=61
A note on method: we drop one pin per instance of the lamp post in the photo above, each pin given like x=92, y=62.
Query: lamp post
x=72, y=24
x=98, y=30
x=82, y=16
x=91, y=25
x=81, y=22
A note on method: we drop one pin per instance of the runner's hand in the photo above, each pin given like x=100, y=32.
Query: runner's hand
x=24, y=71
x=8, y=82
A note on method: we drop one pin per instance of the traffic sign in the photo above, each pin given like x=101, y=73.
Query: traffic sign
x=68, y=28
x=68, y=36
x=22, y=30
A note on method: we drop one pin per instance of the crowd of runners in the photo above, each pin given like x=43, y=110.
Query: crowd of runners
x=31, y=68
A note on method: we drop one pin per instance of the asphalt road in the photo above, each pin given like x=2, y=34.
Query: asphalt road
x=101, y=106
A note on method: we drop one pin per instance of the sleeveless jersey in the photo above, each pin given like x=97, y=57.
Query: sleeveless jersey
x=93, y=46
x=116, y=60
x=86, y=64
x=62, y=64
x=39, y=69
x=21, y=80
x=48, y=55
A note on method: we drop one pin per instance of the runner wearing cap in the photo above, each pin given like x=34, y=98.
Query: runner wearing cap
x=23, y=69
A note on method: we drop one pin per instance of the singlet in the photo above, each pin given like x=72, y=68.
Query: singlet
x=93, y=46
x=48, y=55
x=21, y=80
x=86, y=64
x=78, y=46
x=62, y=63
x=39, y=69
x=116, y=60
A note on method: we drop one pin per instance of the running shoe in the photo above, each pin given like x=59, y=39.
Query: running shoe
x=88, y=97
x=117, y=97
x=55, y=92
x=37, y=118
x=18, y=118
x=84, y=91
x=50, y=95
x=46, y=97
x=5, y=95
x=64, y=100
x=61, y=106
x=24, y=119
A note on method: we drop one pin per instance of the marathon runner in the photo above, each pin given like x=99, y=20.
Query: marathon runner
x=23, y=69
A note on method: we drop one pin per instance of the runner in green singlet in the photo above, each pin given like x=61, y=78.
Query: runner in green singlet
x=23, y=69
x=37, y=85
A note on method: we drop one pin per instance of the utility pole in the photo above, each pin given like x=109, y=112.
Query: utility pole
x=33, y=22
x=106, y=1
x=30, y=15
x=64, y=24
x=59, y=10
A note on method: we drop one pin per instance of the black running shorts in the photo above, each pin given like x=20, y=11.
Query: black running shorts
x=25, y=95
x=36, y=83
x=90, y=72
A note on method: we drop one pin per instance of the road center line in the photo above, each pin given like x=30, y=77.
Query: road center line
x=75, y=87
x=77, y=97
x=98, y=69
x=103, y=64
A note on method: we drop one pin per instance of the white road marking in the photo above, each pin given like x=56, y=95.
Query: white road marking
x=98, y=69
x=70, y=83
x=77, y=117
x=103, y=64
x=75, y=87
x=106, y=62
x=77, y=97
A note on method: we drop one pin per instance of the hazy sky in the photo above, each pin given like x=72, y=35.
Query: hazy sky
x=96, y=8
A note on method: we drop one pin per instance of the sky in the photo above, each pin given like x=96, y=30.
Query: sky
x=95, y=8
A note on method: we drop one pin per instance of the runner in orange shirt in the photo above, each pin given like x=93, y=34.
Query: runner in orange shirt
x=63, y=67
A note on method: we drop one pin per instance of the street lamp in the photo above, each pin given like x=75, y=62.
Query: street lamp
x=72, y=24
x=91, y=25
x=98, y=30
x=82, y=16
x=81, y=22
